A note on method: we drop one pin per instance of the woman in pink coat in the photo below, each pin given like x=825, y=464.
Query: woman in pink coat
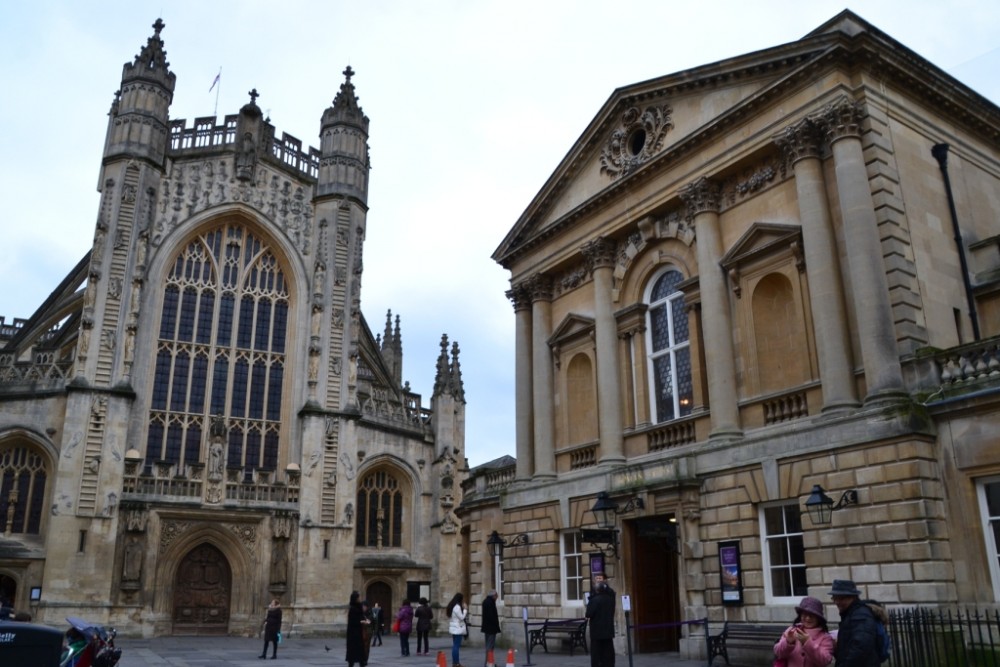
x=808, y=642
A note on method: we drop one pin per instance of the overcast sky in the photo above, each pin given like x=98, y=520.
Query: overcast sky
x=472, y=106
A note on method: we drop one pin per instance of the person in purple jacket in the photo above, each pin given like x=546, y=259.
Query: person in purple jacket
x=405, y=618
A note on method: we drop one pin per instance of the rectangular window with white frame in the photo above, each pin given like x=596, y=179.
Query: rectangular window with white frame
x=574, y=579
x=784, y=555
x=498, y=575
x=988, y=491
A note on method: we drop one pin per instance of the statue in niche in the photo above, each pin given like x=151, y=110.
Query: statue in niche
x=279, y=563
x=216, y=448
x=132, y=563
x=246, y=159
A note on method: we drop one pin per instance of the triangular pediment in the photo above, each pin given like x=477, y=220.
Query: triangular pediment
x=761, y=240
x=572, y=327
x=646, y=129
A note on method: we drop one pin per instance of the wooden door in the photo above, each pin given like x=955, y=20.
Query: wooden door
x=654, y=587
x=202, y=591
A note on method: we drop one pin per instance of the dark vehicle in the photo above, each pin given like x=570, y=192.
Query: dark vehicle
x=29, y=644
x=89, y=645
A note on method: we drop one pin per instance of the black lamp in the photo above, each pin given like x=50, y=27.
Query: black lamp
x=605, y=510
x=496, y=544
x=821, y=507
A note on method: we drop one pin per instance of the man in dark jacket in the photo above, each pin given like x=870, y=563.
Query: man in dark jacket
x=601, y=612
x=857, y=636
x=491, y=623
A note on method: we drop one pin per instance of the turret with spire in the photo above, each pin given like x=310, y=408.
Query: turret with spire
x=344, y=163
x=138, y=123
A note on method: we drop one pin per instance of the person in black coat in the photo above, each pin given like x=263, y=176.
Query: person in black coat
x=272, y=626
x=356, y=619
x=491, y=621
x=601, y=612
x=857, y=636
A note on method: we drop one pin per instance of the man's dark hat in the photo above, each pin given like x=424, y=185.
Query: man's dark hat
x=844, y=587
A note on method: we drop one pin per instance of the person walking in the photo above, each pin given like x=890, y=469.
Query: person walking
x=272, y=628
x=355, y=631
x=424, y=616
x=377, y=620
x=405, y=618
x=491, y=623
x=601, y=612
x=457, y=613
x=807, y=642
x=857, y=635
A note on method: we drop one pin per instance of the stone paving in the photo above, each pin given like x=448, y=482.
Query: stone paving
x=243, y=652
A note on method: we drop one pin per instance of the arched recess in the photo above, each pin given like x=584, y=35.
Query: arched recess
x=582, y=400
x=236, y=543
x=780, y=343
x=27, y=463
x=385, y=502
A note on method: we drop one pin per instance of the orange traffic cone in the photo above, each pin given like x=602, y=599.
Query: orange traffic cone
x=442, y=662
x=489, y=659
x=510, y=657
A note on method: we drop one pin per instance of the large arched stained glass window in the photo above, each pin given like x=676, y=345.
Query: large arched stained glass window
x=669, y=349
x=380, y=511
x=220, y=351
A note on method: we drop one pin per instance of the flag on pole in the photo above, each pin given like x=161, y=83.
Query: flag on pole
x=215, y=81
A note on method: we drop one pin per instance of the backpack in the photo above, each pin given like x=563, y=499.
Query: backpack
x=882, y=641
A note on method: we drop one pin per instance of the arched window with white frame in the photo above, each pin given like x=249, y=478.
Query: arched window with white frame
x=669, y=348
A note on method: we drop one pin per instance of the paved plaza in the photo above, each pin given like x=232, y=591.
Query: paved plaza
x=222, y=651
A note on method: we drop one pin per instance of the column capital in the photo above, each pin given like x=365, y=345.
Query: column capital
x=799, y=141
x=539, y=287
x=519, y=296
x=840, y=119
x=701, y=196
x=599, y=253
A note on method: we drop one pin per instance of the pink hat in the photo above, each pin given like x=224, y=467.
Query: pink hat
x=812, y=606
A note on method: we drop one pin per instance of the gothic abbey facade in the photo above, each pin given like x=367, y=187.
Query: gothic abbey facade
x=745, y=281
x=199, y=418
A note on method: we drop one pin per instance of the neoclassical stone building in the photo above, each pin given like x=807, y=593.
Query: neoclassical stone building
x=199, y=417
x=745, y=280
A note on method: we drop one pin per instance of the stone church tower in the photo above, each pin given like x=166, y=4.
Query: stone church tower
x=199, y=418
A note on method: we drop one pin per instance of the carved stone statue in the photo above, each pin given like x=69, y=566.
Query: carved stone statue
x=132, y=565
x=279, y=563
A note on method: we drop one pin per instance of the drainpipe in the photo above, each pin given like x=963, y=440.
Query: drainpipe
x=940, y=153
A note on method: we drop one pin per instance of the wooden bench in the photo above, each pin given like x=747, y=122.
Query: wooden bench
x=573, y=630
x=743, y=635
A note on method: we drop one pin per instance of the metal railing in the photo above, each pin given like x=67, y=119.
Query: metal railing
x=924, y=637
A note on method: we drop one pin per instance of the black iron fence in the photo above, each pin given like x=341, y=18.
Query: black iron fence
x=944, y=638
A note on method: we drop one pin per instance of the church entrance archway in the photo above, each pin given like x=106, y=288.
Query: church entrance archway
x=8, y=591
x=381, y=592
x=202, y=593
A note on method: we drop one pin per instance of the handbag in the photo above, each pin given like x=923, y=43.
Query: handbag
x=279, y=637
x=780, y=662
x=395, y=626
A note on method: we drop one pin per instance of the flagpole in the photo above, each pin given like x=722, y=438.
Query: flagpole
x=218, y=86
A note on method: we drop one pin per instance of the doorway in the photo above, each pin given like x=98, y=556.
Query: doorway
x=202, y=591
x=655, y=587
x=381, y=592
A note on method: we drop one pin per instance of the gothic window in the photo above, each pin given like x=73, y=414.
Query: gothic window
x=669, y=348
x=380, y=511
x=22, y=488
x=220, y=351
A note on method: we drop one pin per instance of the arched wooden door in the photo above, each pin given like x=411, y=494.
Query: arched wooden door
x=381, y=592
x=202, y=591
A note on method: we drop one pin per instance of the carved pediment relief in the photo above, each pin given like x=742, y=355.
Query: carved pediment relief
x=571, y=329
x=638, y=137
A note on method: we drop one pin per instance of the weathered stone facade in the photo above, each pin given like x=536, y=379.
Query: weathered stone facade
x=199, y=418
x=742, y=282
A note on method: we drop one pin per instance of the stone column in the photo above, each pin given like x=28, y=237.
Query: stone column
x=600, y=254
x=540, y=290
x=801, y=144
x=523, y=431
x=702, y=199
x=841, y=122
